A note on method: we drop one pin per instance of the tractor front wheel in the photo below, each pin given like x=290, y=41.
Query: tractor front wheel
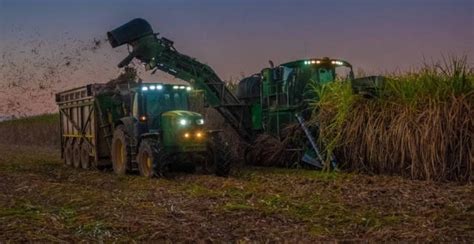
x=148, y=158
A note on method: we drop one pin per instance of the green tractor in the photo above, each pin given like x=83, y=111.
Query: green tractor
x=160, y=132
x=278, y=94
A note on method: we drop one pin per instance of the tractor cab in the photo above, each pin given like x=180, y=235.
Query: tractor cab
x=164, y=109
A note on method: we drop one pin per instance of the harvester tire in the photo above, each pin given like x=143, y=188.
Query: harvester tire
x=121, y=151
x=85, y=156
x=76, y=154
x=148, y=159
x=219, y=151
x=68, y=158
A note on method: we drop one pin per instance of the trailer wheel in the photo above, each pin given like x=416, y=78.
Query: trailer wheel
x=76, y=154
x=85, y=156
x=219, y=153
x=68, y=152
x=121, y=152
x=149, y=161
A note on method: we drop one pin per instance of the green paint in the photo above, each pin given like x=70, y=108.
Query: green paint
x=256, y=111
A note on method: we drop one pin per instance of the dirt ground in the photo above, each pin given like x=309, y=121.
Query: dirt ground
x=42, y=200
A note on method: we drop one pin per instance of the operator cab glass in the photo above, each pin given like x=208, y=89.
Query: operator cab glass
x=160, y=102
x=152, y=100
x=325, y=71
x=324, y=75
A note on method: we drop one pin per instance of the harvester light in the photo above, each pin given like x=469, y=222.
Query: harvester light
x=318, y=61
x=175, y=87
x=152, y=88
x=313, y=62
x=182, y=87
x=186, y=135
x=183, y=122
x=159, y=87
x=333, y=62
x=144, y=88
x=199, y=135
x=200, y=121
x=188, y=88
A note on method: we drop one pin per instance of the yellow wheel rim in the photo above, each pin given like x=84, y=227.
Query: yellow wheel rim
x=145, y=162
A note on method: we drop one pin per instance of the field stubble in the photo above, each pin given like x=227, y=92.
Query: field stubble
x=42, y=200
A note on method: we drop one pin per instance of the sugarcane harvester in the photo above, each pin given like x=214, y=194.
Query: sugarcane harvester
x=265, y=103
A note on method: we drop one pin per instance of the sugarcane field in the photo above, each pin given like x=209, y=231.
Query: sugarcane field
x=236, y=121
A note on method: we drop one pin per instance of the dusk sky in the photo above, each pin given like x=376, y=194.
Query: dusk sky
x=239, y=37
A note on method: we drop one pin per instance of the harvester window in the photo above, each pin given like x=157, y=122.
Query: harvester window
x=325, y=75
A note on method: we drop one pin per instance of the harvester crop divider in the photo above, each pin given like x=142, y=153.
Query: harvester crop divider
x=307, y=158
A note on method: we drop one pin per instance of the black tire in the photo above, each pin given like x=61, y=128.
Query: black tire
x=85, y=156
x=121, y=151
x=219, y=153
x=68, y=152
x=150, y=163
x=76, y=154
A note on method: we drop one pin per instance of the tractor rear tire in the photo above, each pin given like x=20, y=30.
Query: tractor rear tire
x=68, y=152
x=148, y=159
x=85, y=156
x=121, y=151
x=76, y=154
x=219, y=151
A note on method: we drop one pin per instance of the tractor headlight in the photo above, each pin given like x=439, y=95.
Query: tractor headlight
x=183, y=122
x=200, y=121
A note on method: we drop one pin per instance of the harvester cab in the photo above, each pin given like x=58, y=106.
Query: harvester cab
x=277, y=94
x=278, y=98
